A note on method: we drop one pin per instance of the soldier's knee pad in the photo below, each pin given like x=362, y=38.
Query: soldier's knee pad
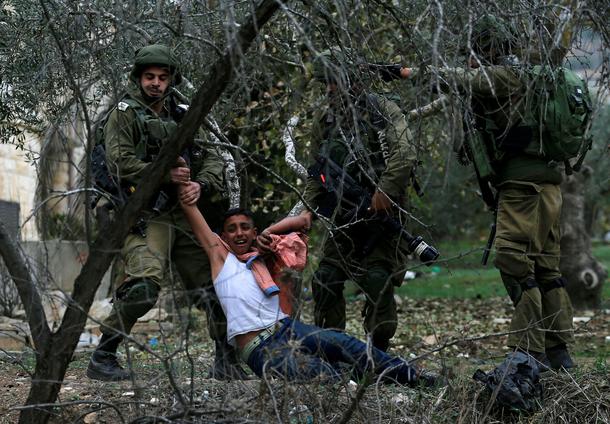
x=138, y=297
x=512, y=259
x=556, y=283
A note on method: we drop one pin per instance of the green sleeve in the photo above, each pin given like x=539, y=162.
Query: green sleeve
x=211, y=168
x=121, y=136
x=395, y=178
x=498, y=81
x=313, y=189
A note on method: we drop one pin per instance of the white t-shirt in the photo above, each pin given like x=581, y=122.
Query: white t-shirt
x=245, y=305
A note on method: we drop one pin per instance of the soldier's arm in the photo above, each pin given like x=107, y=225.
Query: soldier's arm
x=402, y=155
x=121, y=136
x=314, y=192
x=484, y=80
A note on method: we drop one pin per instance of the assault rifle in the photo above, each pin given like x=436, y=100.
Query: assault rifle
x=337, y=182
x=104, y=181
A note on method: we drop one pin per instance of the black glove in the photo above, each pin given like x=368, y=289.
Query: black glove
x=386, y=72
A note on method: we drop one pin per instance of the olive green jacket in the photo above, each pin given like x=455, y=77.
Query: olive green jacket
x=377, y=119
x=498, y=95
x=128, y=156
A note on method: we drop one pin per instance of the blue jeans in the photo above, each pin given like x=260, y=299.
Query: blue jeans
x=300, y=352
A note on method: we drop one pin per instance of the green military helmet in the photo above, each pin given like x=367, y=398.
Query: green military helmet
x=493, y=37
x=156, y=55
x=336, y=65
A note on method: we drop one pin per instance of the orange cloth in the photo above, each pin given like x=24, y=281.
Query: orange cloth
x=290, y=251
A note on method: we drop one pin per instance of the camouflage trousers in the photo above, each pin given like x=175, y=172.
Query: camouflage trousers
x=375, y=274
x=146, y=268
x=527, y=255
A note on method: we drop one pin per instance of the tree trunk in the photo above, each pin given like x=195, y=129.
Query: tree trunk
x=584, y=273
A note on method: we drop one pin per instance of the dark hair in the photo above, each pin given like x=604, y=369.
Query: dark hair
x=237, y=211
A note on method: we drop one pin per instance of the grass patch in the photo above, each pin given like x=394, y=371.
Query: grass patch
x=461, y=275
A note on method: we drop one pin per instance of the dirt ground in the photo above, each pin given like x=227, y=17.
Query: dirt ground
x=425, y=325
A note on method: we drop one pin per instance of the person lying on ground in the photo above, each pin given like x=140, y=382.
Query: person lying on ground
x=268, y=339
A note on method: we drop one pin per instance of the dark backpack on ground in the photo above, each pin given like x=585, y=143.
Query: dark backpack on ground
x=515, y=382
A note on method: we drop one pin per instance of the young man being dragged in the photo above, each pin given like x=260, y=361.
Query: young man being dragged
x=269, y=340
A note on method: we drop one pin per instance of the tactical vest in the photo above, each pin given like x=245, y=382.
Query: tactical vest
x=360, y=150
x=152, y=129
x=152, y=133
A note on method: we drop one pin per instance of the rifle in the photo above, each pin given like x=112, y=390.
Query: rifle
x=337, y=182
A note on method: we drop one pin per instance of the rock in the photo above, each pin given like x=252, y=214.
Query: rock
x=401, y=399
x=581, y=319
x=430, y=340
x=91, y=418
x=100, y=309
x=156, y=314
x=501, y=320
x=15, y=335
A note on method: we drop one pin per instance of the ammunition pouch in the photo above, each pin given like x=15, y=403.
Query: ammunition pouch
x=478, y=152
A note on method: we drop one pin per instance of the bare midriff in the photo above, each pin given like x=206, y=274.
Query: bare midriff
x=243, y=339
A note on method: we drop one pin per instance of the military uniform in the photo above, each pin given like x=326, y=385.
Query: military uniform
x=133, y=135
x=371, y=141
x=529, y=206
x=165, y=234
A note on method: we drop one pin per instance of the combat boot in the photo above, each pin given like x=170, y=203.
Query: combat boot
x=540, y=357
x=559, y=357
x=104, y=366
x=226, y=364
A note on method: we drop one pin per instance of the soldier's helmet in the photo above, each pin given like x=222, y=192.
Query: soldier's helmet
x=156, y=55
x=336, y=65
x=493, y=37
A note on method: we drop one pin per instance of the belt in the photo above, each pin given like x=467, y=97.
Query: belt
x=245, y=352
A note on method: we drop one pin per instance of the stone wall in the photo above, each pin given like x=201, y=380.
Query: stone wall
x=18, y=181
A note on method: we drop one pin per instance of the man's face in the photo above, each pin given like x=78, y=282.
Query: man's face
x=155, y=81
x=239, y=233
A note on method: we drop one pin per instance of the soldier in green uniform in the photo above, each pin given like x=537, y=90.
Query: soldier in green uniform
x=529, y=196
x=367, y=136
x=136, y=128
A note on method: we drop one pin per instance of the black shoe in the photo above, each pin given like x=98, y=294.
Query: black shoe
x=104, y=366
x=431, y=379
x=559, y=358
